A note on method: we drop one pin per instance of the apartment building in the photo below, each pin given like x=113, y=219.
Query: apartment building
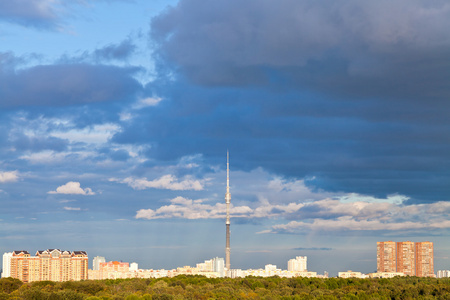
x=50, y=264
x=111, y=270
x=386, y=257
x=406, y=258
x=297, y=264
x=424, y=259
x=409, y=258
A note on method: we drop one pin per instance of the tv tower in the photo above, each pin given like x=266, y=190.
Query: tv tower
x=227, y=201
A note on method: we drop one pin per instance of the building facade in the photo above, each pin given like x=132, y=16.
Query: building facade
x=409, y=258
x=424, y=259
x=351, y=274
x=406, y=262
x=50, y=264
x=386, y=257
x=6, y=272
x=96, y=262
x=443, y=273
x=297, y=264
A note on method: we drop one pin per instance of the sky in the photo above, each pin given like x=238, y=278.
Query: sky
x=116, y=117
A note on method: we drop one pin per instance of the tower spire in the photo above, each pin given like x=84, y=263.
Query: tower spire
x=227, y=223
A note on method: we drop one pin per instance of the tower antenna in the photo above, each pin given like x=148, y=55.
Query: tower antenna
x=227, y=223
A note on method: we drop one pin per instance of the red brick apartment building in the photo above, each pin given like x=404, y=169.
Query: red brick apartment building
x=413, y=259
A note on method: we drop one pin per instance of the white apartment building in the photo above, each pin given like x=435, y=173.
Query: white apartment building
x=219, y=266
x=7, y=264
x=443, y=273
x=297, y=264
x=134, y=267
x=216, y=265
x=96, y=262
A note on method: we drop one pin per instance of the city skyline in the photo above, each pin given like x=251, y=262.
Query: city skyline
x=406, y=258
x=393, y=259
x=115, y=117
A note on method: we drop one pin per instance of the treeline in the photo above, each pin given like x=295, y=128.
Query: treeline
x=199, y=287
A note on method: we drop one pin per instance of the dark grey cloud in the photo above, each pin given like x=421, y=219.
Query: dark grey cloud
x=299, y=135
x=120, y=51
x=354, y=94
x=313, y=249
x=66, y=84
x=350, y=48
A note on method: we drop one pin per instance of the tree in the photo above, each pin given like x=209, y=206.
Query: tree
x=8, y=285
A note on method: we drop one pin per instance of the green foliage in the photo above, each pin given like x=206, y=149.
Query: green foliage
x=67, y=295
x=8, y=285
x=4, y=296
x=199, y=287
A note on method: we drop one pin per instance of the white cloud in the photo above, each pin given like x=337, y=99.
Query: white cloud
x=168, y=182
x=96, y=134
x=325, y=215
x=189, y=209
x=362, y=216
x=8, y=176
x=72, y=208
x=354, y=197
x=275, y=189
x=73, y=188
x=66, y=201
x=344, y=224
x=52, y=157
x=150, y=101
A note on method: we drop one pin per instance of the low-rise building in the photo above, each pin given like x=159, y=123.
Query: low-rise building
x=351, y=274
x=443, y=274
x=385, y=274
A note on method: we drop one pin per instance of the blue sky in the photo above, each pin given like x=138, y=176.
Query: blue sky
x=116, y=116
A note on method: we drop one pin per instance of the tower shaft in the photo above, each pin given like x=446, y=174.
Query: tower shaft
x=227, y=222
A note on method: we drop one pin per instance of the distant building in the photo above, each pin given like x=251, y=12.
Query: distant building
x=6, y=272
x=114, y=270
x=443, y=274
x=297, y=264
x=385, y=274
x=96, y=262
x=50, y=264
x=134, y=267
x=351, y=274
x=270, y=268
x=211, y=268
x=219, y=266
x=412, y=259
x=206, y=266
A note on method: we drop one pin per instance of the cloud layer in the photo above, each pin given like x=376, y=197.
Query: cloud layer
x=351, y=48
x=323, y=216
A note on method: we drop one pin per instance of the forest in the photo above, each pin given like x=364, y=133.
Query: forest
x=200, y=287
